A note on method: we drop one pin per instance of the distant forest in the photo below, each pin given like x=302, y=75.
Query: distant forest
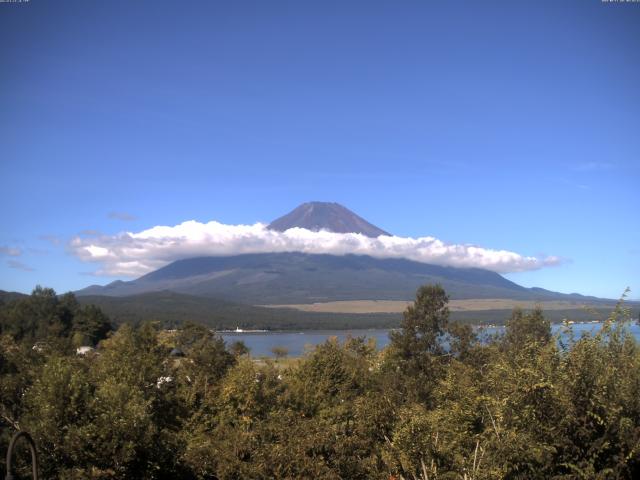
x=153, y=404
x=172, y=309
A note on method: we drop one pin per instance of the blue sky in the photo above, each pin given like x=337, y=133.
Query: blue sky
x=510, y=125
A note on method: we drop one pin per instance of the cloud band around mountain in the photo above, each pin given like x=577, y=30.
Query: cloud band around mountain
x=133, y=254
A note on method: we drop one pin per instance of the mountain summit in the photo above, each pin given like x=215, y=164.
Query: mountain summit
x=326, y=216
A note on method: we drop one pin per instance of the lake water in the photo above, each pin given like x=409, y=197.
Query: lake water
x=297, y=343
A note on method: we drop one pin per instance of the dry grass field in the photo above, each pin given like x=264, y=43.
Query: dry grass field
x=397, y=306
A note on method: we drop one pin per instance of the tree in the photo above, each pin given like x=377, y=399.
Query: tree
x=239, y=348
x=423, y=323
x=57, y=409
x=519, y=406
x=90, y=325
x=45, y=316
x=328, y=377
x=462, y=339
x=280, y=352
x=524, y=328
x=415, y=349
x=207, y=362
x=39, y=316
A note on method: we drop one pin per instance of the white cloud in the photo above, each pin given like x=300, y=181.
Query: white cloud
x=133, y=254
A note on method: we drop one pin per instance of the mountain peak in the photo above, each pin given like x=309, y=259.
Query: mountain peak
x=329, y=216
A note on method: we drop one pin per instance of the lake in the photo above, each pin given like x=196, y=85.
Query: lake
x=261, y=343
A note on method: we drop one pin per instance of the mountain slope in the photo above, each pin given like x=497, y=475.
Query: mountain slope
x=284, y=278
x=6, y=297
x=326, y=216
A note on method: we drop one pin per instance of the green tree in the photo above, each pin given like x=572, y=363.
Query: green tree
x=523, y=328
x=416, y=350
x=90, y=325
x=57, y=409
x=48, y=318
x=39, y=316
x=238, y=348
x=423, y=324
x=280, y=352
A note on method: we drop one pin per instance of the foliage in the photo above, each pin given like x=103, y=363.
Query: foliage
x=416, y=350
x=527, y=328
x=239, y=348
x=280, y=352
x=46, y=317
x=436, y=403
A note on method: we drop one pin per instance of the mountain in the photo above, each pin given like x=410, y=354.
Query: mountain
x=7, y=297
x=326, y=216
x=289, y=278
x=293, y=277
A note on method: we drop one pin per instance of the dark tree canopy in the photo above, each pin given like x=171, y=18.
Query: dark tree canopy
x=46, y=316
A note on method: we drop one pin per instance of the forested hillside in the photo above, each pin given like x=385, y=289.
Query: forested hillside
x=172, y=309
x=520, y=406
